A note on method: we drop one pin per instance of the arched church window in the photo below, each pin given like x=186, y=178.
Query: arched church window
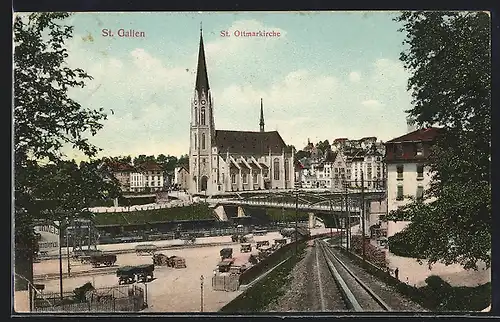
x=195, y=139
x=196, y=116
x=276, y=169
x=203, y=116
x=203, y=140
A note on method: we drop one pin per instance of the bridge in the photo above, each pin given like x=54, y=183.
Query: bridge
x=338, y=203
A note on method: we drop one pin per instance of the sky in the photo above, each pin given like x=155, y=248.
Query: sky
x=328, y=75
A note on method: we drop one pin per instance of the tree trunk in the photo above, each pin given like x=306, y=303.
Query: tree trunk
x=24, y=251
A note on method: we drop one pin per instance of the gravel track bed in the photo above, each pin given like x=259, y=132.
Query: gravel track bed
x=364, y=299
x=302, y=293
x=333, y=296
x=389, y=294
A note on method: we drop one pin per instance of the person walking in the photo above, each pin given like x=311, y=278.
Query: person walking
x=396, y=273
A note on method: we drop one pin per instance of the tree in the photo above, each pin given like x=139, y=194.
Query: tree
x=183, y=161
x=302, y=154
x=449, y=55
x=45, y=120
x=324, y=146
x=143, y=158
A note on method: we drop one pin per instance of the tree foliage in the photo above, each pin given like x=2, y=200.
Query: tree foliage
x=45, y=120
x=449, y=56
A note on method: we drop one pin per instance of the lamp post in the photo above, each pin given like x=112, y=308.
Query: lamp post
x=67, y=246
x=60, y=262
x=201, y=293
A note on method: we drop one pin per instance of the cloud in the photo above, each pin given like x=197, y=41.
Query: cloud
x=372, y=103
x=354, y=77
x=150, y=96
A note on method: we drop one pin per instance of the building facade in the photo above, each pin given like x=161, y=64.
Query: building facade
x=145, y=177
x=222, y=160
x=407, y=172
x=181, y=178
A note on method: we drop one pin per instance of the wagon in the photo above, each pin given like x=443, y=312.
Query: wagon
x=245, y=248
x=177, y=262
x=262, y=243
x=280, y=241
x=224, y=266
x=226, y=253
x=144, y=273
x=160, y=259
x=145, y=249
x=260, y=232
x=126, y=275
x=102, y=259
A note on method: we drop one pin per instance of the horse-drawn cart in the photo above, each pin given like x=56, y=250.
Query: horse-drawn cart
x=130, y=274
x=102, y=259
x=145, y=249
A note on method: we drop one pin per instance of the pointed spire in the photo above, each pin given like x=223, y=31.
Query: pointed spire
x=261, y=116
x=201, y=73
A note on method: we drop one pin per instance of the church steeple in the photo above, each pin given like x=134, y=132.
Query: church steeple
x=261, y=116
x=201, y=73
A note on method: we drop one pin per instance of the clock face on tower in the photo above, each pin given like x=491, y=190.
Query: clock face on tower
x=203, y=102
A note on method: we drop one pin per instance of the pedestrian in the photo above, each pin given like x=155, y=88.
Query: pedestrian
x=396, y=273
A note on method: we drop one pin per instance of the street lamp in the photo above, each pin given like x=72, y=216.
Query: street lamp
x=201, y=293
x=67, y=247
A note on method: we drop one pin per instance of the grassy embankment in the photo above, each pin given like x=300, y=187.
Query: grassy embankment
x=267, y=290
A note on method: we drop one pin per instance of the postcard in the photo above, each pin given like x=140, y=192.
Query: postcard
x=252, y=162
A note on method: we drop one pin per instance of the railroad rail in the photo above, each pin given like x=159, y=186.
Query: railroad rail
x=356, y=295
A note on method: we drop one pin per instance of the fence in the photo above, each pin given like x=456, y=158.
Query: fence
x=228, y=283
x=112, y=299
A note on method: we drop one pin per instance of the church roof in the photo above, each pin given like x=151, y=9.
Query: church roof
x=201, y=73
x=263, y=166
x=249, y=143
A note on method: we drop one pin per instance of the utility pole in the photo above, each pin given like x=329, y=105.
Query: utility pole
x=363, y=217
x=348, y=217
x=296, y=218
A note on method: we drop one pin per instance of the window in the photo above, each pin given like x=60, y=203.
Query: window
x=399, y=150
x=196, y=116
x=336, y=170
x=203, y=140
x=245, y=178
x=233, y=178
x=254, y=177
x=420, y=172
x=195, y=139
x=203, y=116
x=419, y=150
x=276, y=169
x=420, y=192
x=400, y=193
x=223, y=178
x=400, y=169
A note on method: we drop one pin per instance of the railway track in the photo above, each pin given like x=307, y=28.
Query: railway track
x=356, y=295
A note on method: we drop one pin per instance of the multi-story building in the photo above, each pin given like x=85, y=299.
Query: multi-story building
x=407, y=173
x=181, y=177
x=145, y=177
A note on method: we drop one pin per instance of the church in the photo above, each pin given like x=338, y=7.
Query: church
x=227, y=160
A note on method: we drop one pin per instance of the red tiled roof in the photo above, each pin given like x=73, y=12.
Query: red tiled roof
x=149, y=166
x=118, y=166
x=428, y=134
